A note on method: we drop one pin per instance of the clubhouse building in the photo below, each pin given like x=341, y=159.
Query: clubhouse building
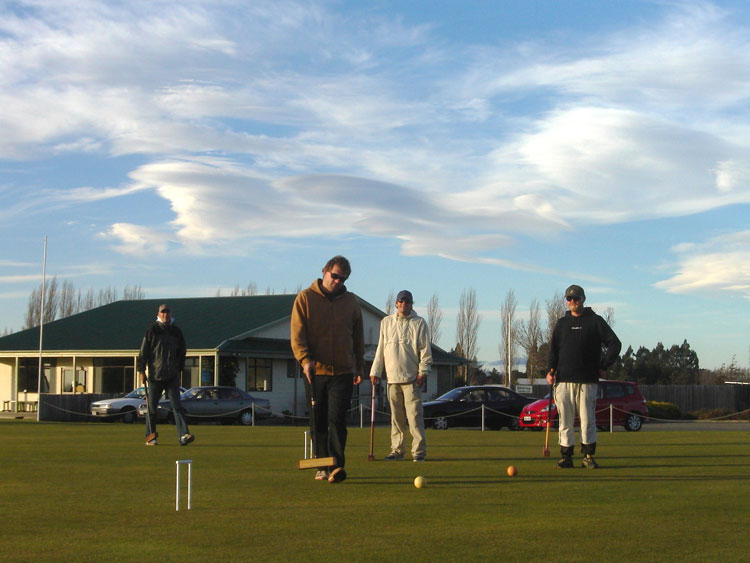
x=239, y=341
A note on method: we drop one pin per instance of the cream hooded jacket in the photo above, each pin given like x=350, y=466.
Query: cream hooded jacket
x=403, y=349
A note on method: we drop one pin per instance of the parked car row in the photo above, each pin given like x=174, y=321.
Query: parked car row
x=227, y=404
x=126, y=407
x=506, y=408
x=211, y=403
x=459, y=407
x=462, y=406
x=628, y=408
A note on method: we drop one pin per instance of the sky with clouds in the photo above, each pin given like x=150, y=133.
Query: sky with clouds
x=190, y=146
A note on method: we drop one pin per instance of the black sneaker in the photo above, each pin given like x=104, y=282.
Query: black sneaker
x=186, y=439
x=418, y=457
x=565, y=463
x=589, y=463
x=393, y=456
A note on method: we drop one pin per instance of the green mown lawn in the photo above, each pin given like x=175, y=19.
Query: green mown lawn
x=94, y=492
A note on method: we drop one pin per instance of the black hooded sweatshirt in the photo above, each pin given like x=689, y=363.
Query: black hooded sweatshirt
x=576, y=347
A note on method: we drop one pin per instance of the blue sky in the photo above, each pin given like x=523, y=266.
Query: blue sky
x=190, y=146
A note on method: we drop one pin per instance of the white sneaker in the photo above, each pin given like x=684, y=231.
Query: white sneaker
x=321, y=475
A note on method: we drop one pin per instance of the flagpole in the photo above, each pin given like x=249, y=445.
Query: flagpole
x=41, y=331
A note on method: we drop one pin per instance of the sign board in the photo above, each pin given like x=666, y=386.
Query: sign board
x=525, y=389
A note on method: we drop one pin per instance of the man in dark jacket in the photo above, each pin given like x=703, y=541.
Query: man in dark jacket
x=163, y=352
x=575, y=366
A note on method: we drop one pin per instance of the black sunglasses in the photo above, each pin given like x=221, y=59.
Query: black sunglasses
x=164, y=311
x=338, y=277
x=573, y=298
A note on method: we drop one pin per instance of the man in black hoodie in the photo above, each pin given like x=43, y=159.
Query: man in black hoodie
x=575, y=365
x=163, y=352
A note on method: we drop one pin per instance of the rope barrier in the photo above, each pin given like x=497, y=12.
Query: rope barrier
x=385, y=413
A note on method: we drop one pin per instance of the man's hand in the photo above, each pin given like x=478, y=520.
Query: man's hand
x=309, y=370
x=358, y=380
x=420, y=379
x=374, y=379
x=551, y=377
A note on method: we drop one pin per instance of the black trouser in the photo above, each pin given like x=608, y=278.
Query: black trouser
x=332, y=399
x=171, y=388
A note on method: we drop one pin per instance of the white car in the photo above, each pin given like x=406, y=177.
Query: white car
x=125, y=408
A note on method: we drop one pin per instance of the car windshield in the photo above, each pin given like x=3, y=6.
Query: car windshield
x=136, y=394
x=452, y=395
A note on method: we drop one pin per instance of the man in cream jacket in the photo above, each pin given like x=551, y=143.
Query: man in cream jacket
x=405, y=354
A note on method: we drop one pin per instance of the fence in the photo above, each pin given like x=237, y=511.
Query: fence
x=68, y=408
x=690, y=398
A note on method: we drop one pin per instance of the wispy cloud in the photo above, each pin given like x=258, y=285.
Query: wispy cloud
x=720, y=265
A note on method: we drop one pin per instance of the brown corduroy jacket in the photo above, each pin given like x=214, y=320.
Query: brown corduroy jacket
x=328, y=330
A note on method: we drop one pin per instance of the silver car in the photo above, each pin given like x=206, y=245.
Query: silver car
x=125, y=408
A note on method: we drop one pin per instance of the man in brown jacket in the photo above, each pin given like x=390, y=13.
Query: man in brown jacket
x=328, y=342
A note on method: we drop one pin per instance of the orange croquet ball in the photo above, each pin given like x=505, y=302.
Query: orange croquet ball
x=512, y=471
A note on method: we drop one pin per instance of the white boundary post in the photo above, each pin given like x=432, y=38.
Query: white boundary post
x=611, y=418
x=482, y=417
x=189, y=463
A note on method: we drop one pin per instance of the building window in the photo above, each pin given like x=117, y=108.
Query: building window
x=259, y=371
x=113, y=375
x=207, y=370
x=74, y=381
x=190, y=375
x=28, y=374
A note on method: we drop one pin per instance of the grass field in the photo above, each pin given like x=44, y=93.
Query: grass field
x=94, y=492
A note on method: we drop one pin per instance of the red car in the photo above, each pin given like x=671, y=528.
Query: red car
x=629, y=407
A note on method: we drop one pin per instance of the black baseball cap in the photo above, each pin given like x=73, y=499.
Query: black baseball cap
x=405, y=295
x=575, y=291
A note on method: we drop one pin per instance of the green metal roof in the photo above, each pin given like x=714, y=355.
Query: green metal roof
x=206, y=322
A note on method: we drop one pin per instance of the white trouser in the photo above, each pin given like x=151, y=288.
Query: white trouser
x=572, y=397
x=406, y=405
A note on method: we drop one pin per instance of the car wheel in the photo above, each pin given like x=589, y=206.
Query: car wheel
x=633, y=422
x=514, y=425
x=246, y=417
x=128, y=416
x=441, y=423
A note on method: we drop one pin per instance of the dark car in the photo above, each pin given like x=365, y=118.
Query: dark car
x=226, y=404
x=463, y=407
x=628, y=407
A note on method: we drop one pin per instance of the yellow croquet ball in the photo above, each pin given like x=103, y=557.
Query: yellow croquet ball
x=419, y=482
